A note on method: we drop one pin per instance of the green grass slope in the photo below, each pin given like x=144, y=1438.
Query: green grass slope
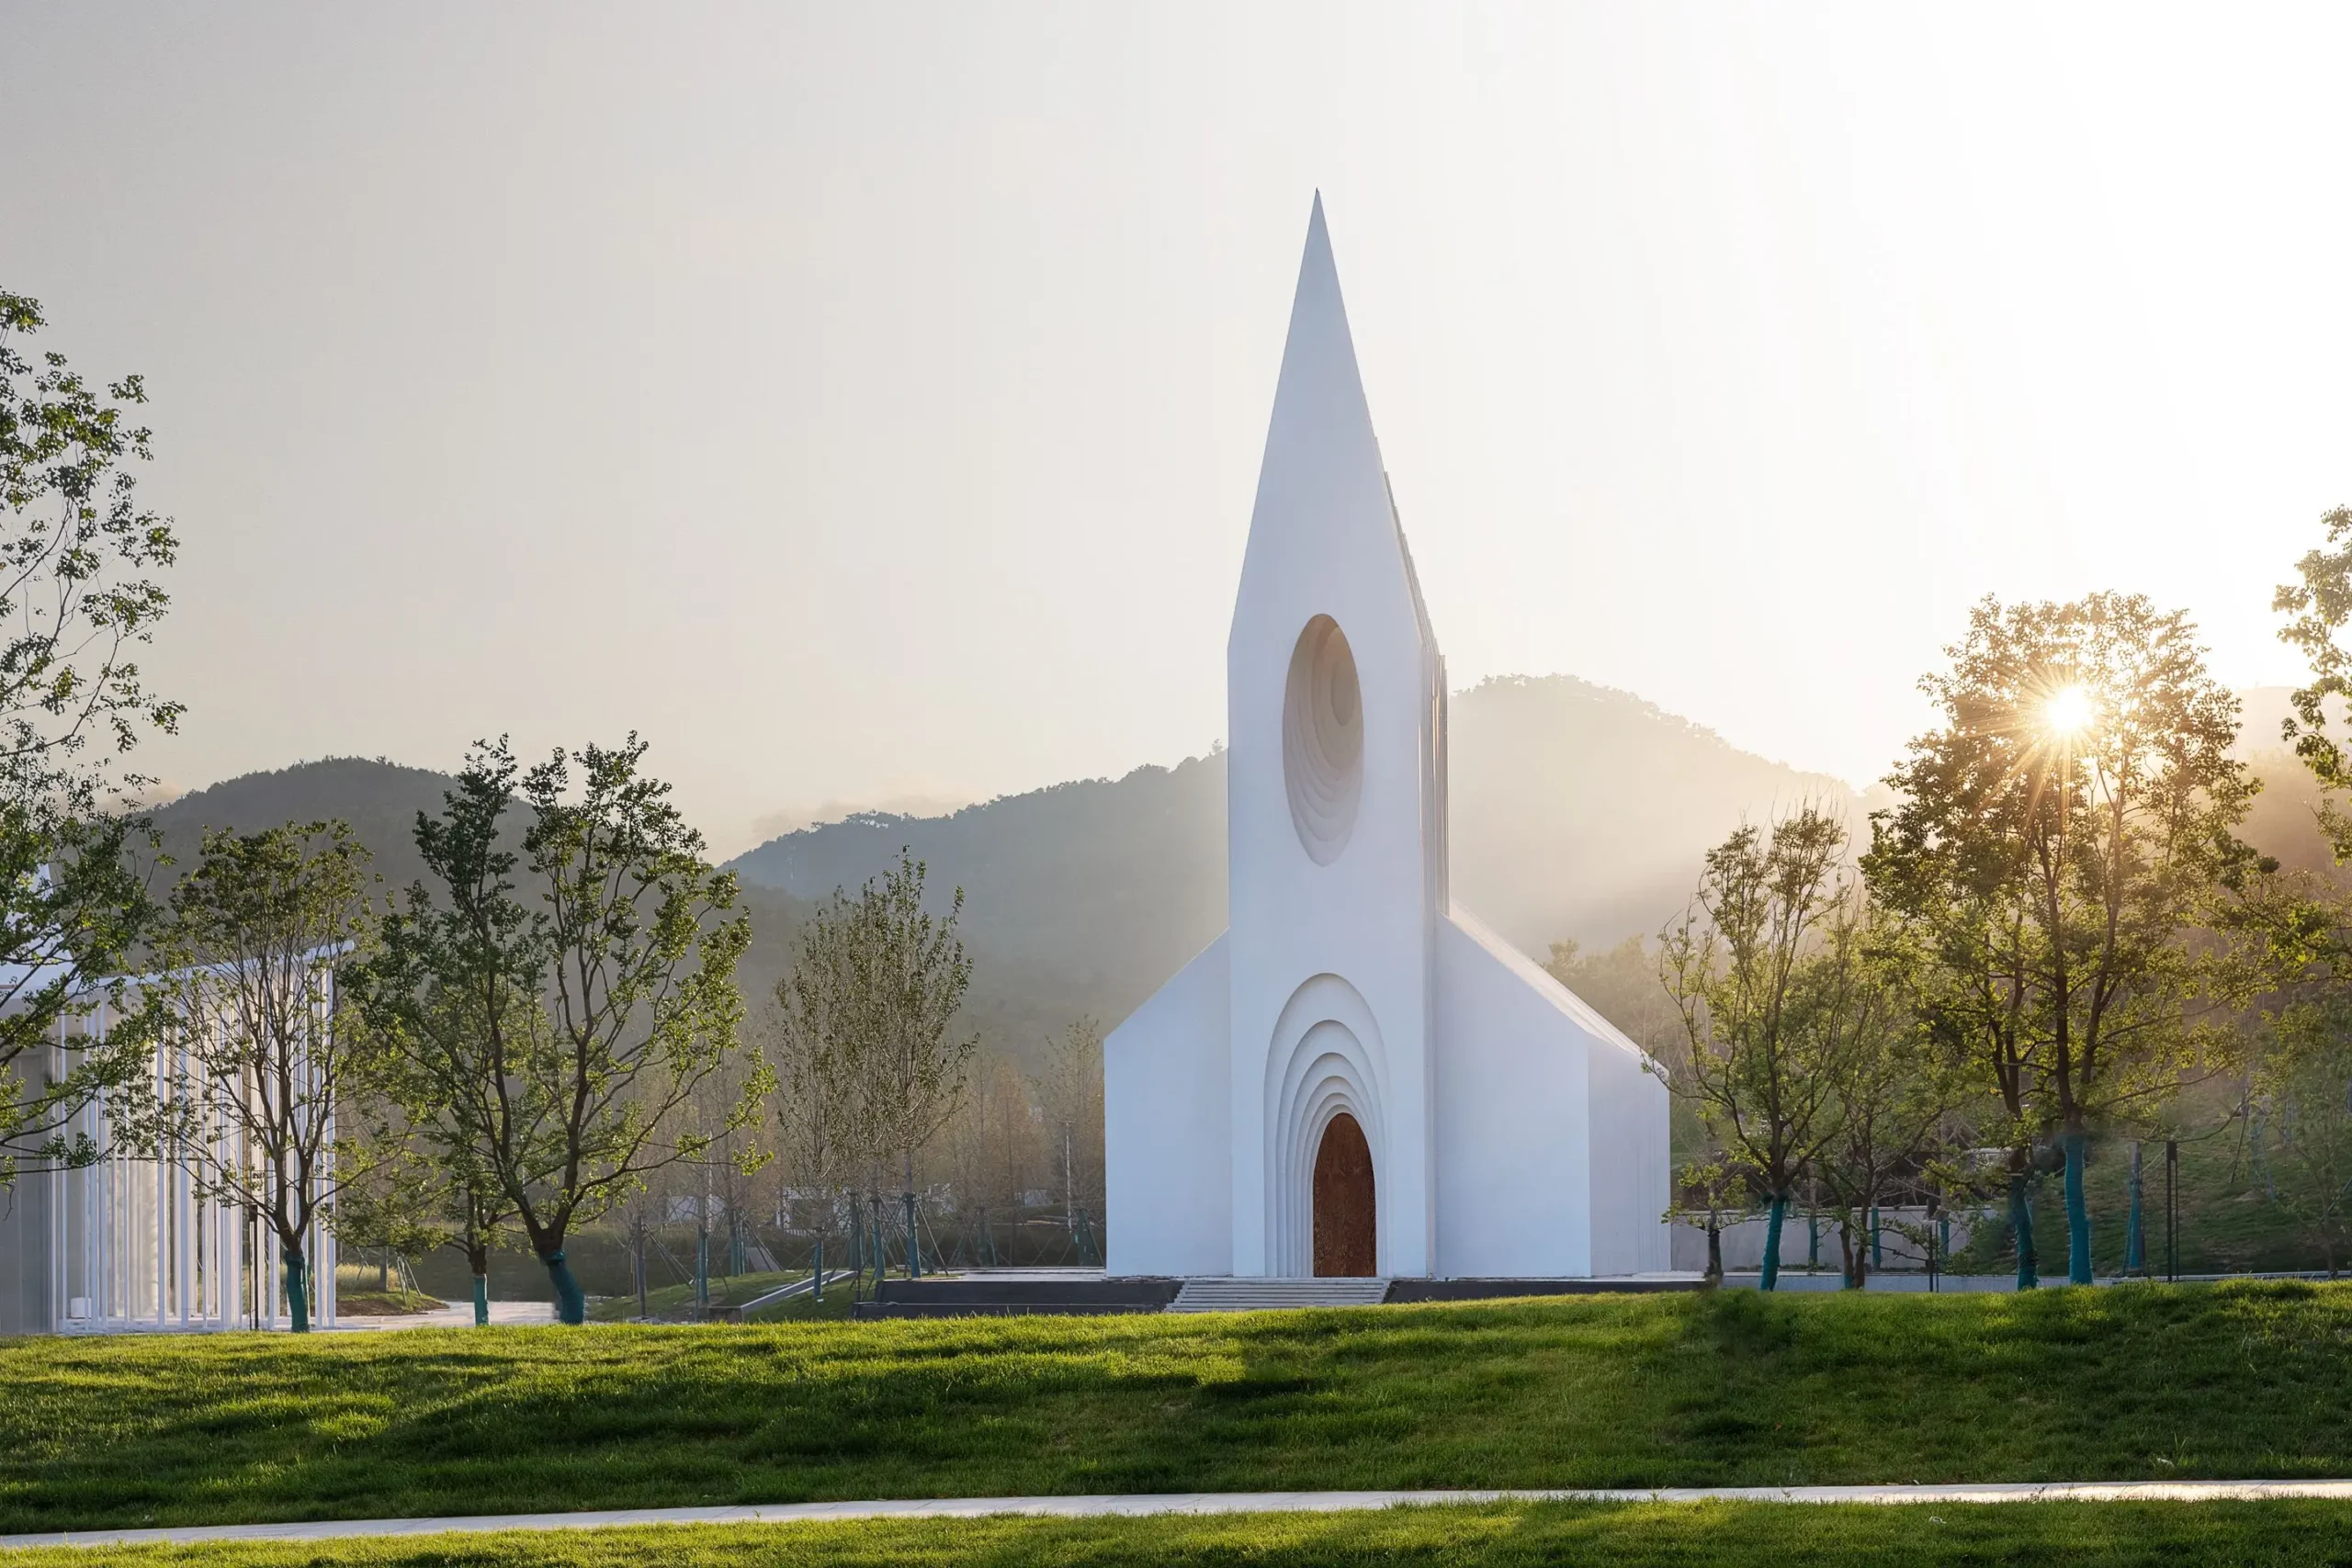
x=2096, y=1535
x=1683, y=1390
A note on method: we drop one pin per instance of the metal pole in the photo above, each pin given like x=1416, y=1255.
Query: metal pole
x=2172, y=1209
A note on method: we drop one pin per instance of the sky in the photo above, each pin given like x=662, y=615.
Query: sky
x=865, y=403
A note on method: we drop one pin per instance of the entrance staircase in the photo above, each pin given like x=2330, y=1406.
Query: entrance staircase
x=1260, y=1295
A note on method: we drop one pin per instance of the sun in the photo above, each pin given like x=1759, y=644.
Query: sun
x=2068, y=711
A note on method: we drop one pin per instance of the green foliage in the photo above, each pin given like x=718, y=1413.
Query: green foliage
x=2055, y=877
x=1688, y=1389
x=246, y=999
x=547, y=1048
x=864, y=1018
x=72, y=911
x=1764, y=1010
x=2319, y=607
x=1501, y=1535
x=74, y=602
x=2066, y=836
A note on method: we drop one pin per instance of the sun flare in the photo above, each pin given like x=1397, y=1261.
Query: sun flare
x=2069, y=710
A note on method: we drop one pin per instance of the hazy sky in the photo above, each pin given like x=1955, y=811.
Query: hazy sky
x=866, y=403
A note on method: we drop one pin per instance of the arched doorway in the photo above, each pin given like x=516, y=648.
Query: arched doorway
x=1346, y=1237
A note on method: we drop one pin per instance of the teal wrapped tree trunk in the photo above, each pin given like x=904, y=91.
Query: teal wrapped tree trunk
x=298, y=1299
x=2079, y=1213
x=1780, y=1211
x=571, y=1307
x=481, y=1300
x=2021, y=1223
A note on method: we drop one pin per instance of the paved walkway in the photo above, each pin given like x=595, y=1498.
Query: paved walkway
x=1145, y=1504
x=450, y=1315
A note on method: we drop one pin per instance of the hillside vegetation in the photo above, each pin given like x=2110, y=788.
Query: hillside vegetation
x=1729, y=1389
x=1577, y=812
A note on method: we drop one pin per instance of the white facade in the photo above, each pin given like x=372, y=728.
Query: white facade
x=1511, y=1130
x=134, y=1242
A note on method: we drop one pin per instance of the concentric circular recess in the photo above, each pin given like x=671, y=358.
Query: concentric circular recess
x=1323, y=740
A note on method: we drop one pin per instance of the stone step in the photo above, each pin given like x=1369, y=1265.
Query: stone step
x=1261, y=1295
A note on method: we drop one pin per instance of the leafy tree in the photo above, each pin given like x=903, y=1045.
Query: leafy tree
x=1896, y=1089
x=1760, y=1008
x=1070, y=1093
x=2063, y=834
x=2305, y=1138
x=866, y=1016
x=997, y=1146
x=76, y=601
x=386, y=1201
x=828, y=1029
x=247, y=1005
x=553, y=1041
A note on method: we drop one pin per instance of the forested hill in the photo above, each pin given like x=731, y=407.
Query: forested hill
x=381, y=800
x=1577, y=812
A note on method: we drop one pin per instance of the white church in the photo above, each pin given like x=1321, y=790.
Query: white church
x=1358, y=1079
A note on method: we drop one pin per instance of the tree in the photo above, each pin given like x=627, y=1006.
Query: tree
x=1759, y=1009
x=2064, y=835
x=865, y=1017
x=248, y=1013
x=1896, y=1089
x=1069, y=1092
x=438, y=1188
x=386, y=1202
x=77, y=602
x=557, y=1038
x=2305, y=1140
x=997, y=1143
x=915, y=965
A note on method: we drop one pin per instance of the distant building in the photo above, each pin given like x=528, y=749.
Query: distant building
x=1357, y=1077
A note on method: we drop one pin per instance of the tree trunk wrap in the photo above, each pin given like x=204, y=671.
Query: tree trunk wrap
x=2136, y=1242
x=481, y=1300
x=1771, y=1276
x=816, y=1272
x=2021, y=1223
x=298, y=1299
x=571, y=1307
x=2079, y=1213
x=1714, y=1252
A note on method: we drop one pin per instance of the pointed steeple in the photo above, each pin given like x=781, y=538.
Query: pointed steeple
x=1322, y=485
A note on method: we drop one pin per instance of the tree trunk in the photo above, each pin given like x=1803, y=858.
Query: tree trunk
x=571, y=1305
x=2021, y=1223
x=1714, y=1250
x=1771, y=1276
x=2079, y=1213
x=478, y=1262
x=298, y=1301
x=2136, y=1242
x=816, y=1272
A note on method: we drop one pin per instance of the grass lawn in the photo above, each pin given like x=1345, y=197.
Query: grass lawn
x=2092, y=1534
x=1736, y=1388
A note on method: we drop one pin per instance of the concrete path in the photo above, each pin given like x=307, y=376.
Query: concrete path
x=1145, y=1504
x=450, y=1315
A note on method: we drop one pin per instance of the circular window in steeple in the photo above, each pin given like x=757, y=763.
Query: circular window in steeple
x=1323, y=740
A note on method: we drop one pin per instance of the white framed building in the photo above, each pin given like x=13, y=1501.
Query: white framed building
x=132, y=1243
